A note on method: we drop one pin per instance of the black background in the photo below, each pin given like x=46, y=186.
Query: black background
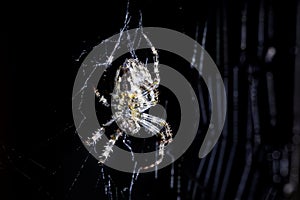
x=40, y=152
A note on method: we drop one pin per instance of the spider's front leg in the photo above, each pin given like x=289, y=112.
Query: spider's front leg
x=109, y=145
x=155, y=66
x=155, y=58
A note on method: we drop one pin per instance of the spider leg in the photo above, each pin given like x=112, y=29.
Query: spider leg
x=101, y=98
x=96, y=136
x=154, y=125
x=161, y=124
x=109, y=122
x=152, y=92
x=161, y=154
x=109, y=145
x=155, y=58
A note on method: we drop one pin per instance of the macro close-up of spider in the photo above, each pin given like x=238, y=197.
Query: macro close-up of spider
x=144, y=100
x=135, y=91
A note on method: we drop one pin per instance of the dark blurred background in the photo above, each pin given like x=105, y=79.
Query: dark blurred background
x=255, y=45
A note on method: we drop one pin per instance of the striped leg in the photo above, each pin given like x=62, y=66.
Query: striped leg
x=161, y=128
x=108, y=147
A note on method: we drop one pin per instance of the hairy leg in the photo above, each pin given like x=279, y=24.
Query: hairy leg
x=108, y=148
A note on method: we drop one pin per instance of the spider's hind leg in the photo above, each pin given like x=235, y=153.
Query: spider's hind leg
x=160, y=124
x=158, y=127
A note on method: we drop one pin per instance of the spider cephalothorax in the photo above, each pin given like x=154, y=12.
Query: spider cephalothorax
x=135, y=91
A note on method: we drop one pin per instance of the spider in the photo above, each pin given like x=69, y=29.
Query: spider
x=135, y=91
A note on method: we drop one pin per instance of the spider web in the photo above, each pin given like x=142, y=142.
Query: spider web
x=244, y=164
x=133, y=42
